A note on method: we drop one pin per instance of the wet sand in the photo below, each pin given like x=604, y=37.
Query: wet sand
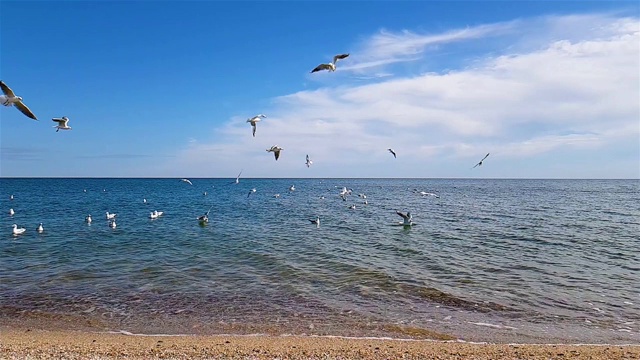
x=67, y=344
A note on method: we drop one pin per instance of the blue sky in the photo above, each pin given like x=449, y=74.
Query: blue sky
x=163, y=89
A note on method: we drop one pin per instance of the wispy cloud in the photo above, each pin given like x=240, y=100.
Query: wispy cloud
x=563, y=89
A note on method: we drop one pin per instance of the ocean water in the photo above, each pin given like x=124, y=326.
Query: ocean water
x=531, y=261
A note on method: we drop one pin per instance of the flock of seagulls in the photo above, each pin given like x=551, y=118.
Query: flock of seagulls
x=10, y=99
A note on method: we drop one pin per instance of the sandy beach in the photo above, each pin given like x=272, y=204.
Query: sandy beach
x=66, y=344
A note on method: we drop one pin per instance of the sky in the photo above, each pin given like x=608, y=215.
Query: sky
x=549, y=89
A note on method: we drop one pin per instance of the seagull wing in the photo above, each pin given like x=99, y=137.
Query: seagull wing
x=321, y=67
x=6, y=90
x=485, y=157
x=403, y=215
x=393, y=152
x=58, y=120
x=25, y=110
x=277, y=154
x=340, y=57
x=253, y=125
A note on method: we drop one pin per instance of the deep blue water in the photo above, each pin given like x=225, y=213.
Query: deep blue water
x=489, y=260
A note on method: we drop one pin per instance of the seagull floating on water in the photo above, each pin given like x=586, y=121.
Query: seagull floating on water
x=316, y=221
x=9, y=98
x=332, y=65
x=407, y=218
x=110, y=216
x=11, y=212
x=11, y=197
x=276, y=196
x=254, y=120
x=18, y=231
x=187, y=181
x=112, y=224
x=309, y=162
x=88, y=219
x=40, y=228
x=480, y=163
x=275, y=149
x=63, y=123
x=393, y=152
x=292, y=188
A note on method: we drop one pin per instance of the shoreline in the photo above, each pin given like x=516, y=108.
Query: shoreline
x=70, y=344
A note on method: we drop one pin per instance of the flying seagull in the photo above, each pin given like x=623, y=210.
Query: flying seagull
x=251, y=192
x=407, y=218
x=332, y=65
x=238, y=178
x=254, y=120
x=275, y=149
x=62, y=123
x=9, y=98
x=480, y=163
x=393, y=152
x=309, y=162
x=187, y=181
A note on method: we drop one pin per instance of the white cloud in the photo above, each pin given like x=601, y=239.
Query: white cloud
x=569, y=89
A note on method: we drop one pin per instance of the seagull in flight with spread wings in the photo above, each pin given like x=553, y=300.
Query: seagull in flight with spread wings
x=480, y=163
x=187, y=181
x=332, y=65
x=63, y=123
x=255, y=120
x=309, y=162
x=9, y=98
x=275, y=149
x=393, y=152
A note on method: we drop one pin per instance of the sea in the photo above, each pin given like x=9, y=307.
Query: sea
x=486, y=260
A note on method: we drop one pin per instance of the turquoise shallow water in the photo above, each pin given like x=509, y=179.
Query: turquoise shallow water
x=489, y=260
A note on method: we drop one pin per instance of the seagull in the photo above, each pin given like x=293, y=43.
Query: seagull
x=309, y=162
x=480, y=163
x=153, y=215
x=144, y=201
x=88, y=219
x=17, y=231
x=254, y=120
x=276, y=196
x=332, y=65
x=275, y=149
x=393, y=152
x=407, y=218
x=11, y=197
x=424, y=193
x=110, y=216
x=11, y=212
x=187, y=181
x=205, y=218
x=251, y=192
x=316, y=221
x=238, y=178
x=9, y=98
x=62, y=123
x=352, y=207
x=158, y=213
x=112, y=224
x=40, y=228
x=292, y=188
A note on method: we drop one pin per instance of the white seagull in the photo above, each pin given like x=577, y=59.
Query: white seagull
x=187, y=181
x=254, y=120
x=11, y=212
x=309, y=162
x=153, y=215
x=88, y=219
x=9, y=98
x=251, y=192
x=332, y=65
x=40, y=228
x=480, y=163
x=63, y=123
x=18, y=231
x=112, y=224
x=292, y=188
x=110, y=216
x=393, y=152
x=238, y=178
x=316, y=221
x=11, y=197
x=275, y=149
x=407, y=219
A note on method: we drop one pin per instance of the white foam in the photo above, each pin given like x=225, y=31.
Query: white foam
x=494, y=325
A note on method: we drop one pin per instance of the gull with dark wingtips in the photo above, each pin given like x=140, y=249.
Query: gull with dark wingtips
x=63, y=123
x=480, y=163
x=332, y=65
x=254, y=120
x=275, y=149
x=9, y=99
x=407, y=218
